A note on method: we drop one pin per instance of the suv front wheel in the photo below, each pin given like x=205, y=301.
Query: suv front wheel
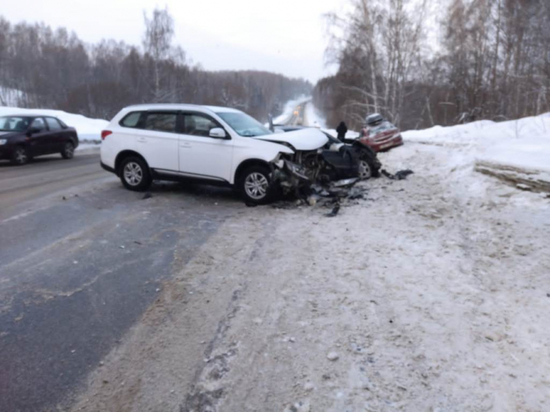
x=255, y=185
x=134, y=174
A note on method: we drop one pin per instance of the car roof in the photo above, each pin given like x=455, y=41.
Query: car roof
x=181, y=106
x=29, y=116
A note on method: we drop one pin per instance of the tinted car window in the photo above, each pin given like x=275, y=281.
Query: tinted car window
x=14, y=123
x=162, y=122
x=38, y=124
x=198, y=125
x=131, y=120
x=53, y=124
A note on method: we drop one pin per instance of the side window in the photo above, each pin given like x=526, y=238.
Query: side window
x=131, y=119
x=162, y=122
x=198, y=125
x=39, y=124
x=53, y=124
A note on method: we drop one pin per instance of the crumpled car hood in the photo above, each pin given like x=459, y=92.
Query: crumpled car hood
x=306, y=139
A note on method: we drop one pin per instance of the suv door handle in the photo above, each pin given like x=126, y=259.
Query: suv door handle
x=142, y=139
x=185, y=145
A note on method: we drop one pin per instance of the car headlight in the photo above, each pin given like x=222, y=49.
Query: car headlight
x=3, y=141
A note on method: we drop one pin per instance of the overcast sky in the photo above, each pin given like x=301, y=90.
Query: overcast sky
x=283, y=36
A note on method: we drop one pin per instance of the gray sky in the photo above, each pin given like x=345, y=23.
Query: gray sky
x=284, y=36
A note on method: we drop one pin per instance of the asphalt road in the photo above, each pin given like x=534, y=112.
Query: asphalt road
x=298, y=117
x=81, y=259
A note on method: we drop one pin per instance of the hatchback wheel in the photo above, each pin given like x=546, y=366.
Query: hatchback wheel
x=20, y=156
x=134, y=174
x=255, y=185
x=68, y=151
x=365, y=171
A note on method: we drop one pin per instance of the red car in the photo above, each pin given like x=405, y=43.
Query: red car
x=379, y=134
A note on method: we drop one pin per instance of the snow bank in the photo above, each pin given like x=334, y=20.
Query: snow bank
x=88, y=129
x=516, y=151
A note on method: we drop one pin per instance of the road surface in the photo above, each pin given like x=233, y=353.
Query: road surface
x=81, y=259
x=425, y=294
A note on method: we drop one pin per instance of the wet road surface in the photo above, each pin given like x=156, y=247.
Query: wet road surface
x=81, y=259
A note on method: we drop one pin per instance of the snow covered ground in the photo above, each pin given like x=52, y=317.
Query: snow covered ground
x=430, y=294
x=89, y=130
x=517, y=151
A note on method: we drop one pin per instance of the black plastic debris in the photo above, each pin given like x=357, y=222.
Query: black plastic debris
x=334, y=211
x=401, y=175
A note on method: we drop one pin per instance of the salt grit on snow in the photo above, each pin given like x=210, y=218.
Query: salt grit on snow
x=89, y=130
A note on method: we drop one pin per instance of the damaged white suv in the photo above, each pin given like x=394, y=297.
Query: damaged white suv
x=212, y=144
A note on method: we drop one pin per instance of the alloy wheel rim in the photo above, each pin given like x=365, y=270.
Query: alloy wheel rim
x=364, y=170
x=20, y=156
x=69, y=150
x=133, y=174
x=256, y=185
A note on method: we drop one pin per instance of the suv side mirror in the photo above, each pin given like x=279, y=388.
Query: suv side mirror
x=218, y=133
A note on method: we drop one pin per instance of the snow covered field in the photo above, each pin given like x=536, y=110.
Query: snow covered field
x=89, y=130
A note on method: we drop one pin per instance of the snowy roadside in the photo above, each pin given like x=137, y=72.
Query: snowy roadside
x=514, y=151
x=430, y=294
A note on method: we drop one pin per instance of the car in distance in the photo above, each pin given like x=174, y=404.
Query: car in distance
x=379, y=134
x=214, y=145
x=24, y=137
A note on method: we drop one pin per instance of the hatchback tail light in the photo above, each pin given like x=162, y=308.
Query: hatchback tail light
x=105, y=133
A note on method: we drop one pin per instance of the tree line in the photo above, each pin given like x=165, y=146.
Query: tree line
x=54, y=69
x=421, y=66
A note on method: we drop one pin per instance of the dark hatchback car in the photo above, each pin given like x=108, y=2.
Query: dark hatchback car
x=24, y=137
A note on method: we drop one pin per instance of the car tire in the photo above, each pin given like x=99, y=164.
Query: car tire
x=134, y=174
x=255, y=185
x=367, y=166
x=68, y=151
x=20, y=156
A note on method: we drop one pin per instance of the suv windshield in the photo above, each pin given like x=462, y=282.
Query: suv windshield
x=14, y=123
x=243, y=124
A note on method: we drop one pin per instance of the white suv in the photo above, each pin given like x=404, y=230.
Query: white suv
x=214, y=144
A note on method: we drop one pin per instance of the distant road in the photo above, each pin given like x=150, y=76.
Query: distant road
x=298, y=117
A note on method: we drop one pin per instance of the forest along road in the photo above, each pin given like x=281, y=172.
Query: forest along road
x=81, y=259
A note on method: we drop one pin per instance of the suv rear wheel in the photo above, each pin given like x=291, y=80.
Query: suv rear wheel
x=134, y=174
x=255, y=185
